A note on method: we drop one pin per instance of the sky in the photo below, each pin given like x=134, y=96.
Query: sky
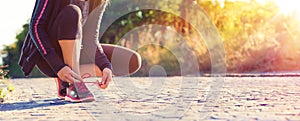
x=14, y=14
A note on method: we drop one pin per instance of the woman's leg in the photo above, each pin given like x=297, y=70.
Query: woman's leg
x=124, y=62
x=71, y=51
x=64, y=32
x=69, y=35
x=89, y=59
x=92, y=59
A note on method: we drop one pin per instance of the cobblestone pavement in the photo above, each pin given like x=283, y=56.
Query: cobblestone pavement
x=173, y=98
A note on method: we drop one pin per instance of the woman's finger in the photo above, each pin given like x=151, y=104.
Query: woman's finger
x=70, y=79
x=76, y=76
x=108, y=80
x=104, y=78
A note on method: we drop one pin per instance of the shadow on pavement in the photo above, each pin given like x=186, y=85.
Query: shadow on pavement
x=32, y=104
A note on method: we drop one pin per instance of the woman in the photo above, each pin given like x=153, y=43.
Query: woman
x=63, y=43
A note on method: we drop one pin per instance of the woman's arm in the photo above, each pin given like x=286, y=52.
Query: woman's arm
x=92, y=49
x=38, y=25
x=90, y=41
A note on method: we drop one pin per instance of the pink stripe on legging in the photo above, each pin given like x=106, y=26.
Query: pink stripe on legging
x=35, y=27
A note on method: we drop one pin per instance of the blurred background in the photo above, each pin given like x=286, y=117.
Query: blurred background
x=258, y=36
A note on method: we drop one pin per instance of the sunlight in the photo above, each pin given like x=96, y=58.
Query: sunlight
x=287, y=7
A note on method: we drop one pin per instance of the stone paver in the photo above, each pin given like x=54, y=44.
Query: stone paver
x=172, y=98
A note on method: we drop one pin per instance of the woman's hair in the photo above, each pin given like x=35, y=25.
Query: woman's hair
x=95, y=3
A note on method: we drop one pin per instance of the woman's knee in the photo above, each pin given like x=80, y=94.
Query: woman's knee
x=71, y=12
x=135, y=63
x=69, y=23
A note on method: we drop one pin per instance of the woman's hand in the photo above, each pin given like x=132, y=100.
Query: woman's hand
x=106, y=78
x=68, y=75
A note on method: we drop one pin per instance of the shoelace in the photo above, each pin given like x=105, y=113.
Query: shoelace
x=87, y=75
x=93, y=83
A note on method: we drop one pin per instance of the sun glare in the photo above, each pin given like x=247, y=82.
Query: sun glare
x=288, y=7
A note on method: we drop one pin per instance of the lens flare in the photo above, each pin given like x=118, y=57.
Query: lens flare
x=287, y=7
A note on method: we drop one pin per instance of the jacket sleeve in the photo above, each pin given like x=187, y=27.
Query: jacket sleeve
x=100, y=57
x=90, y=38
x=38, y=31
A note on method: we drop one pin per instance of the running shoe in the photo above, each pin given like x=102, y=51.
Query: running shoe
x=78, y=92
x=61, y=88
